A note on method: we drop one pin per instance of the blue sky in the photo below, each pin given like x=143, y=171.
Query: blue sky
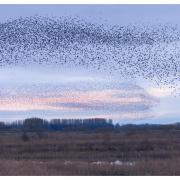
x=74, y=91
x=113, y=13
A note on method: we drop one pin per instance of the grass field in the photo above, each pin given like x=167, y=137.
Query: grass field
x=155, y=152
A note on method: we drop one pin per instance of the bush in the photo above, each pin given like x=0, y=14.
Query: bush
x=25, y=137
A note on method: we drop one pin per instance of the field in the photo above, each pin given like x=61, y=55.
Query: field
x=153, y=152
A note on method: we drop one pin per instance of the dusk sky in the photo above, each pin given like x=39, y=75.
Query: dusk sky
x=90, y=74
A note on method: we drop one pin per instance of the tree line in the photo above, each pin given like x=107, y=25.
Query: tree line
x=38, y=125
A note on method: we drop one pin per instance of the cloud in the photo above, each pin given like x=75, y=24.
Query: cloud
x=119, y=103
x=75, y=92
x=160, y=91
x=106, y=106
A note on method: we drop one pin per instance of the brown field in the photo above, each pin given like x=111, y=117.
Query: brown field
x=155, y=152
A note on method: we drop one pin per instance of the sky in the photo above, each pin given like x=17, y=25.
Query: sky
x=88, y=72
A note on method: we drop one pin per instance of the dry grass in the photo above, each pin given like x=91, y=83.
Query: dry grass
x=56, y=167
x=154, y=153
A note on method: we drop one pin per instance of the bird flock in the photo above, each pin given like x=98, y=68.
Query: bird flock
x=151, y=52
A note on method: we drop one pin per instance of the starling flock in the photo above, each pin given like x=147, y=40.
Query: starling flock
x=150, y=52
